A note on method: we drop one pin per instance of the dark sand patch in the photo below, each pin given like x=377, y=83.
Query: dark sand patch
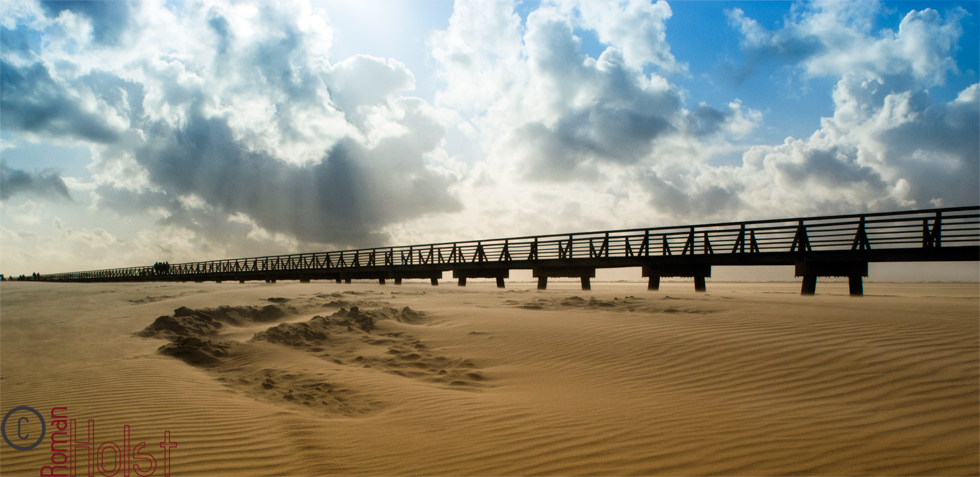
x=626, y=304
x=348, y=338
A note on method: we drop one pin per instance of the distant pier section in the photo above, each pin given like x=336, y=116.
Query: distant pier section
x=828, y=246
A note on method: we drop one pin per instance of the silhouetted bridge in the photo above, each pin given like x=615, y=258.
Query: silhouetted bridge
x=839, y=246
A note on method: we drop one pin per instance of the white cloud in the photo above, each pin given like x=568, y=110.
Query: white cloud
x=597, y=138
x=637, y=27
x=603, y=142
x=227, y=124
x=237, y=105
x=480, y=55
x=888, y=145
x=835, y=38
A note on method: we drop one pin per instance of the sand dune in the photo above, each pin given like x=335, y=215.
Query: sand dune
x=323, y=378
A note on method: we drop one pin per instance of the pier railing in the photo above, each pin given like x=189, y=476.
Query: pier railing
x=936, y=234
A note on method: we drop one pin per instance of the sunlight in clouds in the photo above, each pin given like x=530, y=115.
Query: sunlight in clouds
x=237, y=128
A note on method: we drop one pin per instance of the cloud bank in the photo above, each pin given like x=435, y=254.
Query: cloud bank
x=618, y=124
x=889, y=144
x=230, y=108
x=232, y=129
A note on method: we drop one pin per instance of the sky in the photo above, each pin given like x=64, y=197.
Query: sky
x=137, y=132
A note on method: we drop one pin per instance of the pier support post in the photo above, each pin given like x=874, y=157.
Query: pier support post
x=273, y=280
x=698, y=271
x=432, y=275
x=241, y=281
x=381, y=281
x=338, y=280
x=304, y=280
x=585, y=274
x=462, y=273
x=809, y=285
x=217, y=281
x=347, y=280
x=811, y=269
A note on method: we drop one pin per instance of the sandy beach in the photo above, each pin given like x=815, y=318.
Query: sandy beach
x=746, y=379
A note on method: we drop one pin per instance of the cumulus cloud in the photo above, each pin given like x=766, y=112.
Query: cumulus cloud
x=637, y=27
x=108, y=20
x=587, y=111
x=480, y=55
x=235, y=105
x=834, y=37
x=562, y=114
x=610, y=133
x=889, y=144
x=622, y=130
x=34, y=102
x=46, y=183
x=346, y=198
x=229, y=125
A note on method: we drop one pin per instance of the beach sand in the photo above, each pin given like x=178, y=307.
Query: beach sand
x=746, y=379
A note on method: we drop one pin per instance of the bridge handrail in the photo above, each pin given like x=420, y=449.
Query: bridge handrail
x=916, y=228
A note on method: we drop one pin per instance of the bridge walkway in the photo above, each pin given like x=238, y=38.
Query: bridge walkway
x=824, y=246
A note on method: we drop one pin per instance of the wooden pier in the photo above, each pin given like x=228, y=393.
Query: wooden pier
x=828, y=246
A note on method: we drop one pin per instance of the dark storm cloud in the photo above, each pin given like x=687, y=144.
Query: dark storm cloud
x=618, y=126
x=33, y=101
x=834, y=166
x=345, y=199
x=198, y=161
x=687, y=202
x=578, y=141
x=704, y=120
x=46, y=183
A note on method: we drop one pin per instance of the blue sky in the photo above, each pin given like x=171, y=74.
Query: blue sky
x=134, y=132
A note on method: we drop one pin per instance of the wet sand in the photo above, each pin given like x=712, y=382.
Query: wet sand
x=747, y=379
